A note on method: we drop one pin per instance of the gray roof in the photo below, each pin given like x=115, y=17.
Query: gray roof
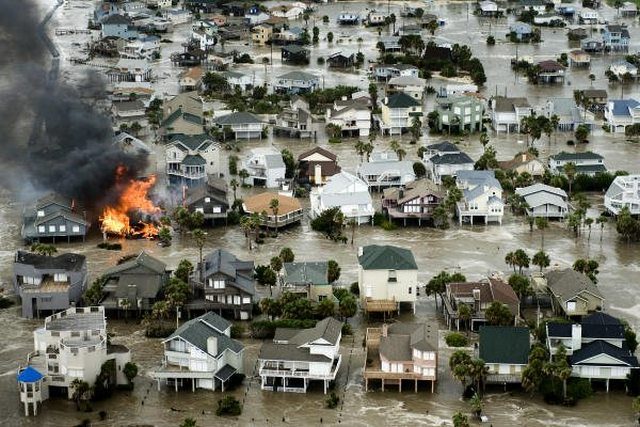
x=198, y=330
x=568, y=283
x=444, y=146
x=193, y=142
x=508, y=105
x=459, y=158
x=401, y=100
x=402, y=338
x=387, y=257
x=542, y=194
x=297, y=75
x=328, y=329
x=240, y=117
x=144, y=260
x=286, y=352
x=223, y=261
x=191, y=160
x=331, y=200
x=479, y=178
x=77, y=321
x=403, y=167
x=274, y=161
x=303, y=273
x=570, y=157
x=66, y=262
x=504, y=344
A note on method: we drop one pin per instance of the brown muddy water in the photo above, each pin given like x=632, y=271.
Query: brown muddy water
x=476, y=252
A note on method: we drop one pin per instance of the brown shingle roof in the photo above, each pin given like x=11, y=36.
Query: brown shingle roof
x=490, y=291
x=260, y=202
x=503, y=104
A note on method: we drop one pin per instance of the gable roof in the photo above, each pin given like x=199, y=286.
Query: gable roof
x=490, y=290
x=116, y=19
x=599, y=347
x=143, y=259
x=417, y=188
x=504, y=344
x=444, y=146
x=621, y=106
x=401, y=100
x=571, y=157
x=568, y=283
x=459, y=158
x=507, y=105
x=319, y=150
x=518, y=160
x=297, y=75
x=314, y=273
x=197, y=331
x=541, y=188
x=29, y=375
x=387, y=257
x=192, y=142
x=402, y=338
x=240, y=117
x=223, y=261
x=66, y=262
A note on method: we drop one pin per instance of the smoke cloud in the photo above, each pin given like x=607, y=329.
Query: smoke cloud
x=51, y=140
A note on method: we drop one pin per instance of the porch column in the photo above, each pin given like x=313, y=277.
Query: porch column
x=433, y=383
x=415, y=385
x=325, y=386
x=382, y=384
x=607, y=385
x=193, y=385
x=400, y=386
x=222, y=386
x=175, y=380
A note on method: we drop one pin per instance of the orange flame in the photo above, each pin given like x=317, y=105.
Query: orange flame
x=134, y=197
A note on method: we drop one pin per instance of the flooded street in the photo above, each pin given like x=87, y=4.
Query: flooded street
x=475, y=251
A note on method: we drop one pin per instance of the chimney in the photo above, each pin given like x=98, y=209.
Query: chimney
x=360, y=250
x=576, y=336
x=317, y=174
x=212, y=346
x=385, y=328
x=524, y=157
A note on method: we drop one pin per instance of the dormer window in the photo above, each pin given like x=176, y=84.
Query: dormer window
x=393, y=276
x=40, y=213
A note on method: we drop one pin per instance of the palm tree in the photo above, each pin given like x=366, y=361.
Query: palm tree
x=478, y=371
x=542, y=223
x=588, y=222
x=484, y=139
x=81, y=391
x=353, y=224
x=243, y=174
x=199, y=237
x=570, y=171
x=555, y=122
x=273, y=205
x=541, y=259
x=602, y=220
x=234, y=186
x=509, y=259
x=247, y=227
x=464, y=314
x=476, y=404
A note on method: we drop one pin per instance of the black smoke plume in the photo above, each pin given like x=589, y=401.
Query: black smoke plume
x=51, y=141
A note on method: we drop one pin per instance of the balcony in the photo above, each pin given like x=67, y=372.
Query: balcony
x=273, y=370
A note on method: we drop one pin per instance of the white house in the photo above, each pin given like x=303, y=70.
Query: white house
x=352, y=116
x=289, y=11
x=202, y=354
x=387, y=277
x=505, y=351
x=244, y=125
x=191, y=158
x=296, y=82
x=144, y=47
x=624, y=191
x=621, y=68
x=588, y=16
x=544, y=201
x=238, y=79
x=346, y=191
x=178, y=16
x=386, y=170
x=265, y=167
x=507, y=113
x=398, y=113
x=596, y=347
x=587, y=163
x=387, y=71
x=204, y=39
x=72, y=344
x=296, y=357
x=445, y=159
x=488, y=8
x=620, y=113
x=481, y=196
x=412, y=86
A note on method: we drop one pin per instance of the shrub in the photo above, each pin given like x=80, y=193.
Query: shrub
x=579, y=388
x=320, y=60
x=158, y=330
x=347, y=329
x=237, y=331
x=110, y=246
x=388, y=225
x=264, y=329
x=228, y=405
x=355, y=289
x=455, y=339
x=5, y=302
x=332, y=401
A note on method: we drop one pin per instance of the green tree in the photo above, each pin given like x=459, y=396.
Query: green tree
x=459, y=363
x=460, y=420
x=130, y=371
x=419, y=170
x=582, y=133
x=289, y=163
x=465, y=314
x=440, y=218
x=243, y=174
x=333, y=271
x=184, y=270
x=520, y=285
x=588, y=267
x=93, y=295
x=81, y=392
x=271, y=307
x=330, y=37
x=627, y=226
x=498, y=314
x=416, y=128
x=274, y=205
x=542, y=224
x=325, y=308
x=476, y=403
x=541, y=259
x=570, y=171
x=602, y=221
x=199, y=238
x=176, y=293
x=348, y=307
x=287, y=255
x=188, y=422
x=276, y=263
x=533, y=374
x=521, y=260
x=43, y=249
x=437, y=285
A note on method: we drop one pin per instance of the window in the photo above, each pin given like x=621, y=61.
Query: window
x=60, y=277
x=410, y=290
x=218, y=284
x=40, y=214
x=417, y=354
x=429, y=355
x=236, y=299
x=246, y=300
x=41, y=229
x=63, y=228
x=52, y=229
x=217, y=209
x=393, y=276
x=571, y=306
x=429, y=372
x=75, y=228
x=207, y=199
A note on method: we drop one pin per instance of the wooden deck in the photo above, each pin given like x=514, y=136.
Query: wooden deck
x=380, y=306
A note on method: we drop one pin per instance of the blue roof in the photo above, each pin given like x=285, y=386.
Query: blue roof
x=29, y=375
x=621, y=106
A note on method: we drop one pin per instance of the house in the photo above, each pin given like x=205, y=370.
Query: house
x=296, y=357
x=289, y=210
x=121, y=91
x=202, y=352
x=573, y=293
x=223, y=284
x=256, y=18
x=48, y=284
x=445, y=159
x=296, y=82
x=348, y=18
x=386, y=71
x=209, y=199
x=375, y=18
x=338, y=60
x=533, y=5
x=505, y=351
x=265, y=167
x=507, y=113
x=183, y=114
x=129, y=112
x=595, y=99
x=237, y=80
x=144, y=47
x=243, y=124
x=412, y=86
x=401, y=352
x=623, y=70
x=159, y=4
x=550, y=72
x=488, y=8
x=289, y=11
x=481, y=196
x=191, y=158
x=620, y=113
x=309, y=279
x=316, y=166
x=262, y=34
x=550, y=19
x=72, y=345
x=295, y=120
x=190, y=57
x=587, y=163
x=391, y=44
x=570, y=116
x=579, y=58
x=178, y=16
x=294, y=54
x=288, y=36
x=478, y=296
x=616, y=38
x=623, y=192
x=387, y=278
x=203, y=38
x=386, y=170
x=588, y=16
x=191, y=79
x=592, y=45
x=628, y=9
x=524, y=162
x=418, y=199
x=116, y=25
x=130, y=70
x=54, y=217
x=521, y=32
x=596, y=347
x=352, y=116
x=460, y=114
x=399, y=111
x=544, y=201
x=135, y=284
x=131, y=145
x=346, y=191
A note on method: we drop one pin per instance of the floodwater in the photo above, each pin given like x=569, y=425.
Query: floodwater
x=475, y=251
